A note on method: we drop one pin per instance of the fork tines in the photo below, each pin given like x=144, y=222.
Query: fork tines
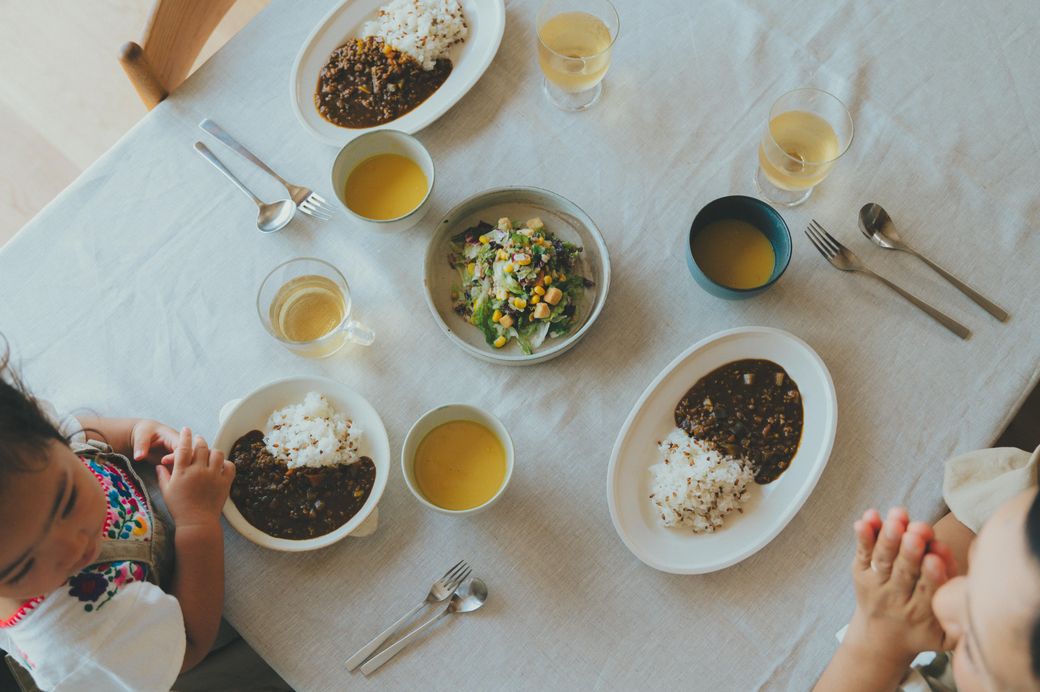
x=456, y=575
x=822, y=240
x=316, y=206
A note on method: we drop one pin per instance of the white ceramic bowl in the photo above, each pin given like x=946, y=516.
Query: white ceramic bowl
x=372, y=144
x=251, y=413
x=445, y=414
x=486, y=20
x=563, y=218
x=771, y=507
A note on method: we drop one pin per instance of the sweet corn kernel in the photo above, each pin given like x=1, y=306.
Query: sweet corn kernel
x=484, y=240
x=508, y=267
x=496, y=315
x=523, y=260
x=519, y=303
x=471, y=267
x=500, y=342
x=502, y=255
x=535, y=299
x=547, y=280
x=539, y=290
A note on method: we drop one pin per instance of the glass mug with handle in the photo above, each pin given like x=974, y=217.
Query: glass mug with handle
x=305, y=304
x=808, y=131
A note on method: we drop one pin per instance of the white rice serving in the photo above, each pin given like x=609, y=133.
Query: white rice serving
x=312, y=434
x=424, y=29
x=695, y=487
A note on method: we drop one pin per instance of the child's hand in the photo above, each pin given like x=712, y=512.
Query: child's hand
x=897, y=569
x=150, y=440
x=197, y=487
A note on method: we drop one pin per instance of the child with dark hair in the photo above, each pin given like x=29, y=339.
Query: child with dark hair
x=89, y=597
x=969, y=587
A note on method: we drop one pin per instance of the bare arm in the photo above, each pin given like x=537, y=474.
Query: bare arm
x=138, y=438
x=859, y=667
x=195, y=490
x=198, y=585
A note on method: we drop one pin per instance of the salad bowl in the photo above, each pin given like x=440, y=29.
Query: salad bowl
x=564, y=220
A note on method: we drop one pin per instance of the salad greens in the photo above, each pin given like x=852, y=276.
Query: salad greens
x=517, y=282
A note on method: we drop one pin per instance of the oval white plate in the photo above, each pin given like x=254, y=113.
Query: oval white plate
x=251, y=413
x=561, y=217
x=486, y=20
x=771, y=507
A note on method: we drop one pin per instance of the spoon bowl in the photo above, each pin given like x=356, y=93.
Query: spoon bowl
x=877, y=225
x=471, y=596
x=274, y=216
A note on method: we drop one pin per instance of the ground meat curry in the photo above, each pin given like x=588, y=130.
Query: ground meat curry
x=749, y=409
x=296, y=503
x=366, y=82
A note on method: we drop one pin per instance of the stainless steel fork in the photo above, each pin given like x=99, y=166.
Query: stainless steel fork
x=439, y=592
x=845, y=260
x=308, y=201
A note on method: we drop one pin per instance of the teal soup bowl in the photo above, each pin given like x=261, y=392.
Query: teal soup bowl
x=736, y=208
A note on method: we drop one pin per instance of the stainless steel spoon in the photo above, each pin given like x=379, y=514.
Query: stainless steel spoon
x=273, y=216
x=877, y=225
x=469, y=597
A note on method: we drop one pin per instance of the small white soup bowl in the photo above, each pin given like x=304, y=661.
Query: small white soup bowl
x=372, y=144
x=445, y=414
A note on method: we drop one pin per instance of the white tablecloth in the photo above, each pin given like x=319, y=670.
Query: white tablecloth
x=133, y=293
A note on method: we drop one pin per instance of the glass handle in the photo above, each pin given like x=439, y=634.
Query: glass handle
x=359, y=333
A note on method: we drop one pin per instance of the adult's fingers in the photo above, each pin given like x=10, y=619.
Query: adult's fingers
x=228, y=469
x=887, y=546
x=866, y=536
x=907, y=567
x=922, y=529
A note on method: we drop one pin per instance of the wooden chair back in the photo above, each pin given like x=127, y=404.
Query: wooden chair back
x=176, y=32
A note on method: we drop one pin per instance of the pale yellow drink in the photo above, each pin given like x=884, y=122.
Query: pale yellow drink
x=574, y=50
x=798, y=150
x=308, y=308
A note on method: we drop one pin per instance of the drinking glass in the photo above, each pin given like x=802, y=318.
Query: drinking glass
x=289, y=286
x=807, y=132
x=575, y=38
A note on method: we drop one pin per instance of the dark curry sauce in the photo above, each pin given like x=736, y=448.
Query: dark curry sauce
x=366, y=83
x=750, y=409
x=296, y=503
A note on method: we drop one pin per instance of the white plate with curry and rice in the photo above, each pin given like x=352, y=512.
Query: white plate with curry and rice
x=341, y=512
x=423, y=83
x=741, y=479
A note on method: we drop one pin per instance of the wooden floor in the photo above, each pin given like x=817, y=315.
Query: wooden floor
x=64, y=101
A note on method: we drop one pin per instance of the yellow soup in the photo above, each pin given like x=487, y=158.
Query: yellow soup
x=460, y=465
x=385, y=187
x=734, y=253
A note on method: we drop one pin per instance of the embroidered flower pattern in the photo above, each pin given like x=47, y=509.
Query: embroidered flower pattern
x=102, y=582
x=127, y=511
x=127, y=518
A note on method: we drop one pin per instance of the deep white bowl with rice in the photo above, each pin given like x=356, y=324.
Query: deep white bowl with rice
x=253, y=411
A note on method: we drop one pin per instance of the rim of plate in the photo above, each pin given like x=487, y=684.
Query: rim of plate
x=351, y=133
x=556, y=349
x=291, y=545
x=819, y=464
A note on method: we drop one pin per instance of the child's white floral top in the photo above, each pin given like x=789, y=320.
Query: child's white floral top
x=108, y=627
